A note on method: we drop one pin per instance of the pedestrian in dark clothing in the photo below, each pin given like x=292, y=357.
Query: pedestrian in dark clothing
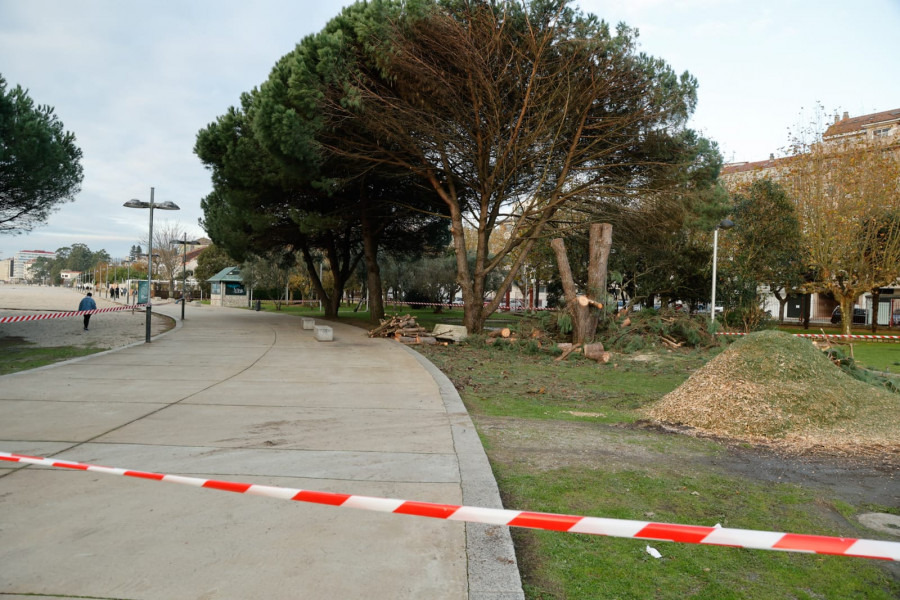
x=87, y=303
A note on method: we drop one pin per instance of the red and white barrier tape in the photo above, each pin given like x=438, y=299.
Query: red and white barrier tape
x=504, y=307
x=61, y=315
x=829, y=335
x=645, y=530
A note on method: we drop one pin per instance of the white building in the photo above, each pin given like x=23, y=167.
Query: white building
x=24, y=259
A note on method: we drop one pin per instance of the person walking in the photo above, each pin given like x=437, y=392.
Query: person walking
x=87, y=303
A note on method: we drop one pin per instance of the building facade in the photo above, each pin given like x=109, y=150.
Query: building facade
x=23, y=261
x=6, y=269
x=876, y=128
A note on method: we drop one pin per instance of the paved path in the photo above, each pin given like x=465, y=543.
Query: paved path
x=249, y=397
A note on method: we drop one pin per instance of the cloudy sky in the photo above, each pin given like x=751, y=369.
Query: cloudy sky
x=135, y=81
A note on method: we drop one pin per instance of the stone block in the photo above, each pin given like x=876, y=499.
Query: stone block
x=456, y=333
x=308, y=322
x=324, y=333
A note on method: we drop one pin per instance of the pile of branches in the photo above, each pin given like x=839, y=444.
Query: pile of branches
x=669, y=328
x=403, y=329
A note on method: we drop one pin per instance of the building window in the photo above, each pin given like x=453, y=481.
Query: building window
x=215, y=288
x=882, y=132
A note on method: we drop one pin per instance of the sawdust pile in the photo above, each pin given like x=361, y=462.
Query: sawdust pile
x=773, y=387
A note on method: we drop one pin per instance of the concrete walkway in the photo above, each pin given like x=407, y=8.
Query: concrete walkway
x=249, y=397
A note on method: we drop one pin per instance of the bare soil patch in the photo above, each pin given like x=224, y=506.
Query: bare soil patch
x=107, y=330
x=549, y=445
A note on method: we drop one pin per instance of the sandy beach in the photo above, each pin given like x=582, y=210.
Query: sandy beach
x=107, y=330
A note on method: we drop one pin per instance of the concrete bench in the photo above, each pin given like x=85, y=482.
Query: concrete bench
x=324, y=333
x=308, y=322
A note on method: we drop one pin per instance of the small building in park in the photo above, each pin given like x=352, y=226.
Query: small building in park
x=227, y=288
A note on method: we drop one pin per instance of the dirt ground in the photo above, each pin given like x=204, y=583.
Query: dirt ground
x=107, y=330
x=546, y=445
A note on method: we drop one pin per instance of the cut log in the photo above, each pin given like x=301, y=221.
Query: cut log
x=505, y=333
x=594, y=351
x=585, y=301
x=410, y=340
x=404, y=326
x=566, y=353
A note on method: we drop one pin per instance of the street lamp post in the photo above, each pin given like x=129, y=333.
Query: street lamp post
x=184, y=244
x=134, y=203
x=724, y=224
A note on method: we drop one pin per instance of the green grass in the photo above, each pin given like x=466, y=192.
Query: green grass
x=502, y=380
x=677, y=480
x=582, y=566
x=17, y=355
x=878, y=356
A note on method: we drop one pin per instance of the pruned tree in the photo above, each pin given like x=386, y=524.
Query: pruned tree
x=848, y=199
x=40, y=165
x=507, y=110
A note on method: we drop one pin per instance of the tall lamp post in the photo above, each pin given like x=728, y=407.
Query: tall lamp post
x=184, y=244
x=724, y=224
x=151, y=205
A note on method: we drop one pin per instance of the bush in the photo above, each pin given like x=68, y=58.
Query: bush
x=749, y=319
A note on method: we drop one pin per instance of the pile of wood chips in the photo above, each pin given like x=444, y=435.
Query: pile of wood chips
x=403, y=329
x=773, y=388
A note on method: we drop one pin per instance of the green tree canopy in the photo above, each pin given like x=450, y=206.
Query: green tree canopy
x=40, y=164
x=210, y=261
x=507, y=110
x=766, y=245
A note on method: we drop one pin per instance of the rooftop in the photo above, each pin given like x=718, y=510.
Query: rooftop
x=852, y=124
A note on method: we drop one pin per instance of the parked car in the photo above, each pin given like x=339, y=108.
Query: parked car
x=859, y=316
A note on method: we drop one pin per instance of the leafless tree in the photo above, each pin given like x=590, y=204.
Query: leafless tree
x=166, y=250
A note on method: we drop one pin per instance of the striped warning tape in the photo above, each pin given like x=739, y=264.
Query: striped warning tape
x=60, y=315
x=828, y=336
x=645, y=530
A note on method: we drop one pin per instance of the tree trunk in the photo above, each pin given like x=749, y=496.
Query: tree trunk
x=584, y=320
x=317, y=283
x=804, y=310
x=581, y=321
x=782, y=302
x=847, y=303
x=876, y=298
x=373, y=271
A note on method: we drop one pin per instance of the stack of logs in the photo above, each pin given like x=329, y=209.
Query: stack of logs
x=403, y=329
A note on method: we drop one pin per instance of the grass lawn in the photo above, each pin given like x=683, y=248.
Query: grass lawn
x=562, y=437
x=16, y=355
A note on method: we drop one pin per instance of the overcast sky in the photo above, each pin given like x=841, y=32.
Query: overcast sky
x=135, y=81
